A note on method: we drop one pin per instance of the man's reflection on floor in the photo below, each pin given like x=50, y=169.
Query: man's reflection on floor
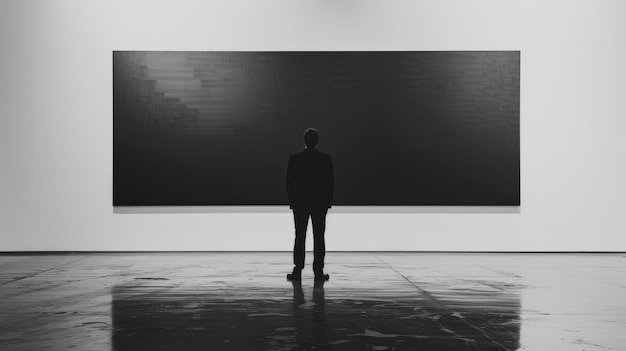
x=309, y=318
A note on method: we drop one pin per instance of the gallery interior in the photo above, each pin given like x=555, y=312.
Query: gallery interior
x=545, y=270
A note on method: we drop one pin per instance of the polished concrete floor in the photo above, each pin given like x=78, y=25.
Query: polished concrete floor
x=373, y=301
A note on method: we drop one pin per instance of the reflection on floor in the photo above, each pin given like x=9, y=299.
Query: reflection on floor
x=373, y=301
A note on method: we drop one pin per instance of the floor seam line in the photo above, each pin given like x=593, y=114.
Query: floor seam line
x=432, y=298
x=44, y=271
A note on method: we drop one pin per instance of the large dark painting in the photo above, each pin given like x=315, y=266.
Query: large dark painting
x=403, y=128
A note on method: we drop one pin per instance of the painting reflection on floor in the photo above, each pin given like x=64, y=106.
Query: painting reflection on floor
x=231, y=318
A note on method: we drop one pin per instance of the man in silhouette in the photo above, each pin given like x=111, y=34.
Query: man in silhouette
x=310, y=189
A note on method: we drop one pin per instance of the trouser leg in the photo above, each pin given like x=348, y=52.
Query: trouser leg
x=301, y=221
x=318, y=219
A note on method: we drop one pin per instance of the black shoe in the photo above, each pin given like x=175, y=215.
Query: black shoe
x=294, y=277
x=322, y=277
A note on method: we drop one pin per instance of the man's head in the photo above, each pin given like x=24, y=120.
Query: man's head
x=311, y=138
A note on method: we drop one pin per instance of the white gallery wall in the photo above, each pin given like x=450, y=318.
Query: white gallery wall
x=56, y=121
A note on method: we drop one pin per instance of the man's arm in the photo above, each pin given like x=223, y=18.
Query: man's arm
x=290, y=181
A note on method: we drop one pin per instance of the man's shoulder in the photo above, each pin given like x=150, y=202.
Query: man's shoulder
x=309, y=154
x=324, y=156
x=297, y=155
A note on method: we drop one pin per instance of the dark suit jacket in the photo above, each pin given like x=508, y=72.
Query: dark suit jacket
x=310, y=180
